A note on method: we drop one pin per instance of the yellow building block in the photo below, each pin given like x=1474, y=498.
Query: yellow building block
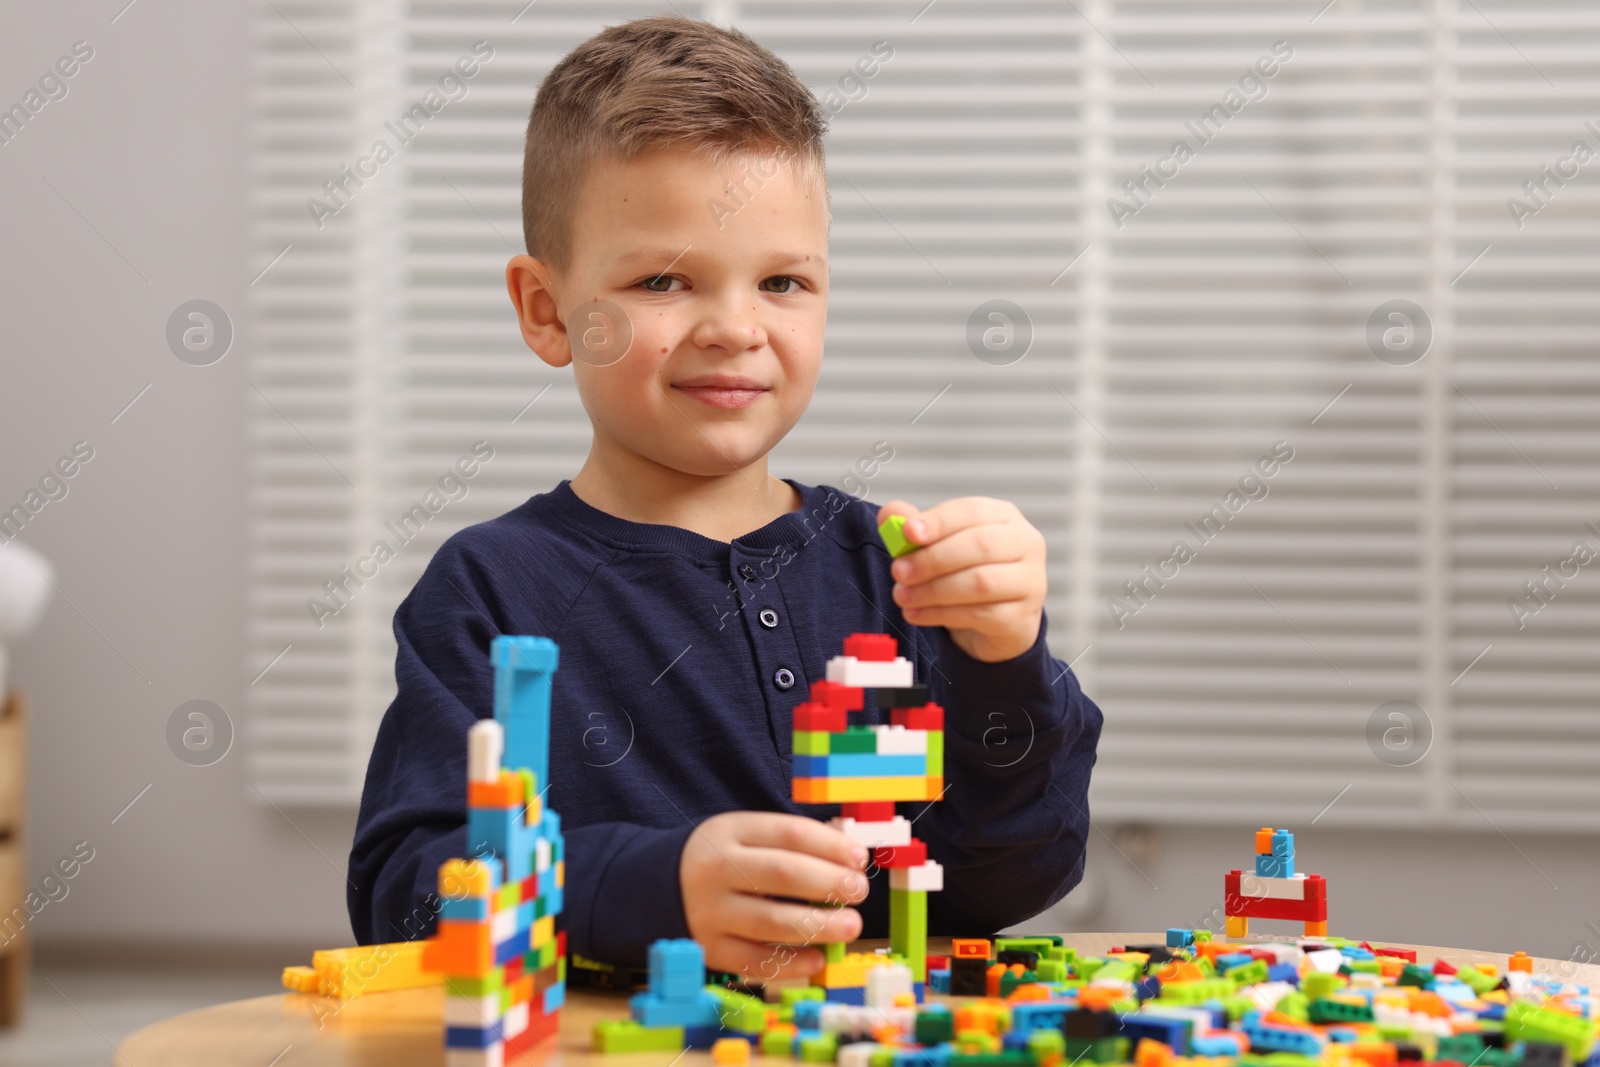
x=1239, y=926
x=349, y=972
x=561, y=874
x=857, y=790
x=543, y=930
x=465, y=878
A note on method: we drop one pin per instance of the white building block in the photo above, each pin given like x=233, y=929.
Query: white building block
x=929, y=878
x=859, y=1053
x=898, y=741
x=1256, y=887
x=516, y=1020
x=493, y=1056
x=886, y=982
x=1267, y=994
x=541, y=854
x=1326, y=960
x=897, y=673
x=471, y=1011
x=896, y=831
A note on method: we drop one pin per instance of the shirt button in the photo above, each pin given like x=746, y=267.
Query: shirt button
x=784, y=678
x=747, y=571
x=769, y=618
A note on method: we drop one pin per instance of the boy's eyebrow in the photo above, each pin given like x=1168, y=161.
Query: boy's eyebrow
x=671, y=256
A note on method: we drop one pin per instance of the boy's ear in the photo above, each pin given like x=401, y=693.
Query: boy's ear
x=529, y=282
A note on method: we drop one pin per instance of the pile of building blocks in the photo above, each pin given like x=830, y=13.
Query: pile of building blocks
x=1274, y=890
x=679, y=1010
x=498, y=943
x=1196, y=1000
x=866, y=769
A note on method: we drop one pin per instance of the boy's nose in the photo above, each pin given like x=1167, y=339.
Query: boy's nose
x=733, y=325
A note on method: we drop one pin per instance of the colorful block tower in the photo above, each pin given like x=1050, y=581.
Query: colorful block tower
x=1274, y=890
x=866, y=770
x=499, y=942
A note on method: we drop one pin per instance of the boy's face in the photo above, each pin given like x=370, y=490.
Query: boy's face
x=725, y=295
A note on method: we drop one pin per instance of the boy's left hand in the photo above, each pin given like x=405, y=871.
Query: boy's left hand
x=978, y=571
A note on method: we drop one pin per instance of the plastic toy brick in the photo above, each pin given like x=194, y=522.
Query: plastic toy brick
x=927, y=717
x=505, y=793
x=837, y=695
x=825, y=718
x=846, y=790
x=469, y=878
x=847, y=670
x=857, y=740
x=861, y=765
x=892, y=531
x=878, y=648
x=626, y=1035
x=730, y=1052
x=969, y=948
x=913, y=854
x=1529, y=1022
x=811, y=742
x=926, y=878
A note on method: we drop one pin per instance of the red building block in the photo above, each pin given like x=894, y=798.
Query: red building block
x=809, y=716
x=868, y=810
x=927, y=717
x=890, y=857
x=881, y=648
x=837, y=695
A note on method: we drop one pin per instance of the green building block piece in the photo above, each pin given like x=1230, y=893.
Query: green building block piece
x=882, y=1056
x=1041, y=945
x=1118, y=969
x=1317, y=985
x=820, y=1047
x=908, y=930
x=777, y=1043
x=487, y=985
x=811, y=742
x=1461, y=1048
x=893, y=532
x=1237, y=1007
x=1413, y=975
x=1248, y=973
x=1280, y=1059
x=1052, y=970
x=1198, y=992
x=1044, y=1044
x=856, y=740
x=1363, y=967
x=740, y=1011
x=1009, y=981
x=1295, y=1006
x=1323, y=1010
x=788, y=995
x=1003, y=1058
x=625, y=1035
x=1394, y=1031
x=1201, y=936
x=1529, y=1022
x=1208, y=966
x=1086, y=967
x=1476, y=980
x=833, y=952
x=934, y=1026
x=935, y=753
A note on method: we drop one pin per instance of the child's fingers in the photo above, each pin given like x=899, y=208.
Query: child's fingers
x=782, y=873
x=759, y=919
x=760, y=962
x=942, y=520
x=970, y=547
x=986, y=584
x=897, y=507
x=796, y=833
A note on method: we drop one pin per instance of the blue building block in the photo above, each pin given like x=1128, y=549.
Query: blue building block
x=1284, y=972
x=474, y=1036
x=939, y=980
x=1274, y=867
x=475, y=908
x=1178, y=938
x=1283, y=845
x=1279, y=1039
x=512, y=947
x=1172, y=1032
x=1213, y=1045
x=1231, y=959
x=554, y=997
x=652, y=1010
x=1148, y=988
x=861, y=765
x=523, y=667
x=1038, y=1015
x=807, y=1014
x=848, y=995
x=702, y=1036
x=677, y=969
x=936, y=1056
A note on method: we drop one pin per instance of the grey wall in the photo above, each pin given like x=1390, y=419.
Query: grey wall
x=149, y=147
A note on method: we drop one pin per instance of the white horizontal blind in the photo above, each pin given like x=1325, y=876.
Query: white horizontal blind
x=1227, y=312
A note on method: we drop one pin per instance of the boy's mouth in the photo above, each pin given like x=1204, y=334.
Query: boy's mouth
x=722, y=390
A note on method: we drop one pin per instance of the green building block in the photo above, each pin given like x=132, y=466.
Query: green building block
x=1208, y=966
x=1236, y=1007
x=1248, y=973
x=487, y=985
x=789, y=994
x=776, y=1043
x=935, y=753
x=892, y=530
x=1047, y=1043
x=1052, y=970
x=882, y=1056
x=1476, y=980
x=1003, y=1058
x=856, y=740
x=908, y=930
x=811, y=742
x=833, y=952
x=1462, y=1048
x=1295, y=1006
x=1529, y=1022
x=1201, y=936
x=1394, y=1031
x=1191, y=993
x=934, y=1026
x=1317, y=985
x=1119, y=969
x=740, y=1011
x=625, y=1035
x=1323, y=1010
x=820, y=1047
x=1413, y=975
x=1086, y=967
x=1009, y=981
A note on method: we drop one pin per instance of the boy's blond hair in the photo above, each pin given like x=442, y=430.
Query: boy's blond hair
x=658, y=82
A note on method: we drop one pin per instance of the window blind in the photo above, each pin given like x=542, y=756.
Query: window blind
x=1035, y=296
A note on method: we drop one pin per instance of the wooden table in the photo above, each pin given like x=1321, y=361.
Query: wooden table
x=402, y=1029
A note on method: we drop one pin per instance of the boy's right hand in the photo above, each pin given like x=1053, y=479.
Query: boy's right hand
x=735, y=863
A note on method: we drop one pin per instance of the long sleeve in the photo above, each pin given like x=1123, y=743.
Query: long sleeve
x=622, y=890
x=1020, y=741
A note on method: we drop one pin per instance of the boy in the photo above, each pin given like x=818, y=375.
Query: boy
x=676, y=215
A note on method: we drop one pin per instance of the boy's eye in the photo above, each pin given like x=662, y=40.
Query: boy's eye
x=660, y=283
x=783, y=279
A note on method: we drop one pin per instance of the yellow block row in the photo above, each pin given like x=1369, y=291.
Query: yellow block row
x=863, y=790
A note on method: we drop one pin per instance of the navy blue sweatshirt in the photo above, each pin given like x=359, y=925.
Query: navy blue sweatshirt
x=681, y=661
